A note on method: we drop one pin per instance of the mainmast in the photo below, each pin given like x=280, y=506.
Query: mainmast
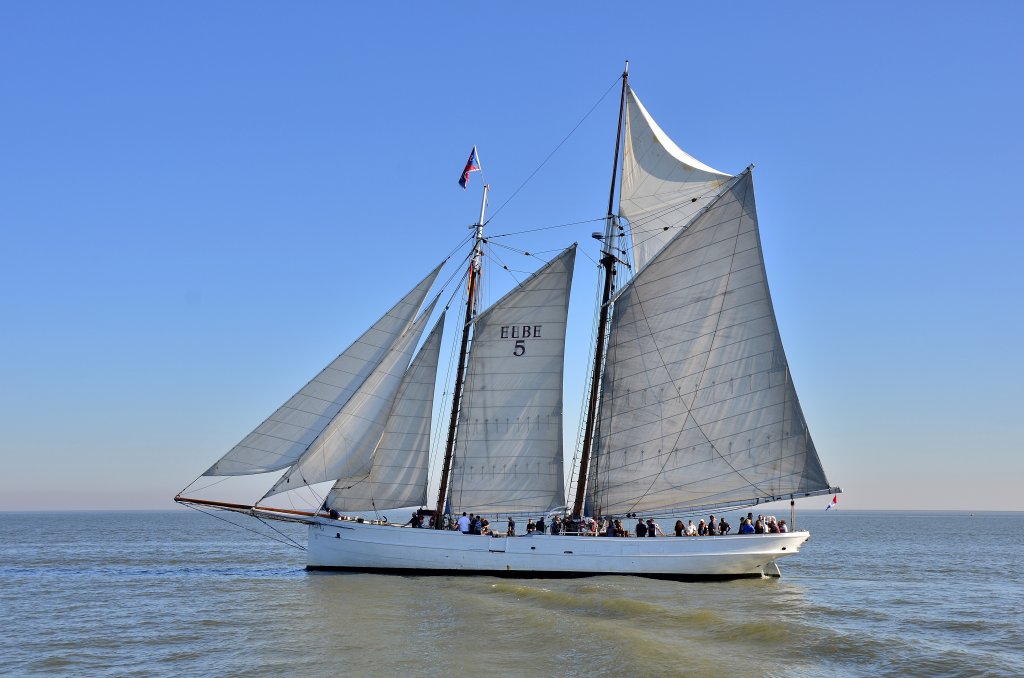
x=472, y=288
x=608, y=260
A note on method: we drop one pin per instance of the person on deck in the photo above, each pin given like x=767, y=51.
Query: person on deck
x=464, y=524
x=511, y=527
x=531, y=527
x=702, y=529
x=556, y=526
x=679, y=528
x=653, y=528
x=691, y=529
x=541, y=527
x=641, y=528
x=746, y=527
x=724, y=527
x=712, y=526
x=783, y=527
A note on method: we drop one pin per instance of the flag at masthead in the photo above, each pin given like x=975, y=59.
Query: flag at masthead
x=472, y=165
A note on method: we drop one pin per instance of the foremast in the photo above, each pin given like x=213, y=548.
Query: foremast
x=472, y=288
x=608, y=260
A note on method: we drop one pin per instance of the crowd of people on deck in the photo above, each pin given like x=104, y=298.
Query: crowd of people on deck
x=473, y=524
x=609, y=527
x=748, y=525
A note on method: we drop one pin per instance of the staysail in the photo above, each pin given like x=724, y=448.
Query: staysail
x=398, y=476
x=345, y=447
x=698, y=407
x=282, y=438
x=508, y=456
x=662, y=185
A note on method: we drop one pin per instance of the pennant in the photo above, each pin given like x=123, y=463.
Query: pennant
x=472, y=165
x=832, y=504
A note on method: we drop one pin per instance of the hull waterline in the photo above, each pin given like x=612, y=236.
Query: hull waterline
x=364, y=547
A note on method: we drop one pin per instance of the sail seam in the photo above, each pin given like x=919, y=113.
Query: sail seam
x=697, y=355
x=707, y=423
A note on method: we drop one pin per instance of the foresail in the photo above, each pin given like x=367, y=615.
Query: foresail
x=698, y=407
x=346, y=445
x=282, y=438
x=508, y=455
x=398, y=476
x=285, y=435
x=663, y=187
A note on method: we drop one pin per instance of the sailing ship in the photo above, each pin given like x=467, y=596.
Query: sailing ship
x=690, y=405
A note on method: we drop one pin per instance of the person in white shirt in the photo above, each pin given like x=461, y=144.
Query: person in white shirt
x=691, y=529
x=464, y=524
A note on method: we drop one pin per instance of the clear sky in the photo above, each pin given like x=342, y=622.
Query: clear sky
x=201, y=204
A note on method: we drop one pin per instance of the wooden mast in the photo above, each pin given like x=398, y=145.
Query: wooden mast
x=472, y=287
x=608, y=260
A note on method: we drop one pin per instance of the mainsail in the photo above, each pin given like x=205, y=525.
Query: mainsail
x=662, y=185
x=698, y=407
x=398, y=476
x=508, y=457
x=282, y=438
x=345, y=447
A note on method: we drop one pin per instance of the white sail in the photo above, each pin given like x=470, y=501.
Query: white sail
x=508, y=455
x=662, y=186
x=346, y=446
x=698, y=408
x=398, y=476
x=285, y=435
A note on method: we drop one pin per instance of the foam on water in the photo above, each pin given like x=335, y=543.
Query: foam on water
x=179, y=593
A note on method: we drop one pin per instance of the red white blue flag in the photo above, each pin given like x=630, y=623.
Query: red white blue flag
x=472, y=165
x=832, y=504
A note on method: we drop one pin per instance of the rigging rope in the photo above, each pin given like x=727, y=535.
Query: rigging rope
x=290, y=542
x=555, y=150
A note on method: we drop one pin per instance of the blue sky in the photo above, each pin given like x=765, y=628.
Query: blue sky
x=203, y=203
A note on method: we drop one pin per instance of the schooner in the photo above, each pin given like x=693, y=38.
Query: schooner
x=690, y=408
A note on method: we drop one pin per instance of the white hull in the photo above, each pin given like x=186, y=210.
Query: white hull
x=346, y=545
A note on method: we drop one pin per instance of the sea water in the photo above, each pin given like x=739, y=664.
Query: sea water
x=181, y=593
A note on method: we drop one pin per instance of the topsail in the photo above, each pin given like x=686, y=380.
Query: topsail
x=663, y=187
